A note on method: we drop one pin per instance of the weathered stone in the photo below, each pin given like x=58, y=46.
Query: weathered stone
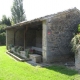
x=77, y=59
x=35, y=57
x=64, y=25
x=22, y=54
x=54, y=38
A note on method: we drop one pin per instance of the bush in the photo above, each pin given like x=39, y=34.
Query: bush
x=10, y=46
x=75, y=42
x=2, y=34
x=2, y=28
x=79, y=28
x=2, y=38
x=20, y=48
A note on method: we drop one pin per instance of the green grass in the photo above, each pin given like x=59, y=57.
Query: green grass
x=10, y=69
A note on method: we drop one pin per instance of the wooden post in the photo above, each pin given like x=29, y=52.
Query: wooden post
x=25, y=37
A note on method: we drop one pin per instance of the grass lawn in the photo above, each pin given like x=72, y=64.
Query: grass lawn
x=10, y=69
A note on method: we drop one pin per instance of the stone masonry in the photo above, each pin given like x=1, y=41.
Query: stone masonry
x=57, y=32
x=77, y=59
x=60, y=30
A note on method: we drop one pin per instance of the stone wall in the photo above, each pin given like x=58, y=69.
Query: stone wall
x=39, y=38
x=15, y=37
x=33, y=38
x=77, y=59
x=19, y=37
x=9, y=37
x=30, y=38
x=61, y=28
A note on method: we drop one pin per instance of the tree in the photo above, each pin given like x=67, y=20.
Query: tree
x=5, y=20
x=3, y=23
x=2, y=34
x=17, y=10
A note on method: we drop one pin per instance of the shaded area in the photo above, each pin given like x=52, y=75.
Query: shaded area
x=62, y=70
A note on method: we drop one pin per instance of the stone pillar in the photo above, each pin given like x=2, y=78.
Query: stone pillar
x=44, y=41
x=47, y=46
x=9, y=37
x=6, y=39
x=77, y=59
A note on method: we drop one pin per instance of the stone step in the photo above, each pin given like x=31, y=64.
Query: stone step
x=16, y=57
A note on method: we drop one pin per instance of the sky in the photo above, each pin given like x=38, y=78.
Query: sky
x=39, y=8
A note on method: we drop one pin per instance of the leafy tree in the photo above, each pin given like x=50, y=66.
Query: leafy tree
x=3, y=23
x=2, y=38
x=2, y=34
x=2, y=28
x=5, y=20
x=17, y=10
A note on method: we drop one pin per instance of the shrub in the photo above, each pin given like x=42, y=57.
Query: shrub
x=27, y=52
x=2, y=28
x=15, y=48
x=2, y=34
x=10, y=46
x=75, y=42
x=20, y=48
x=2, y=38
x=79, y=28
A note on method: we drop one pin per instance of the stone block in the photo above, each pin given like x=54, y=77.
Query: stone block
x=22, y=54
x=35, y=57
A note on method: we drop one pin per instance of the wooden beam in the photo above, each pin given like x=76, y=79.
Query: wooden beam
x=25, y=37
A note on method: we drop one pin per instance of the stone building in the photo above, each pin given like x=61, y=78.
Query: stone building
x=52, y=34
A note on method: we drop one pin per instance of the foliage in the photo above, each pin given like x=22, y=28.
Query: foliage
x=2, y=28
x=3, y=23
x=2, y=38
x=10, y=46
x=17, y=10
x=5, y=20
x=20, y=48
x=15, y=48
x=27, y=52
x=75, y=42
x=11, y=69
x=79, y=28
x=2, y=34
